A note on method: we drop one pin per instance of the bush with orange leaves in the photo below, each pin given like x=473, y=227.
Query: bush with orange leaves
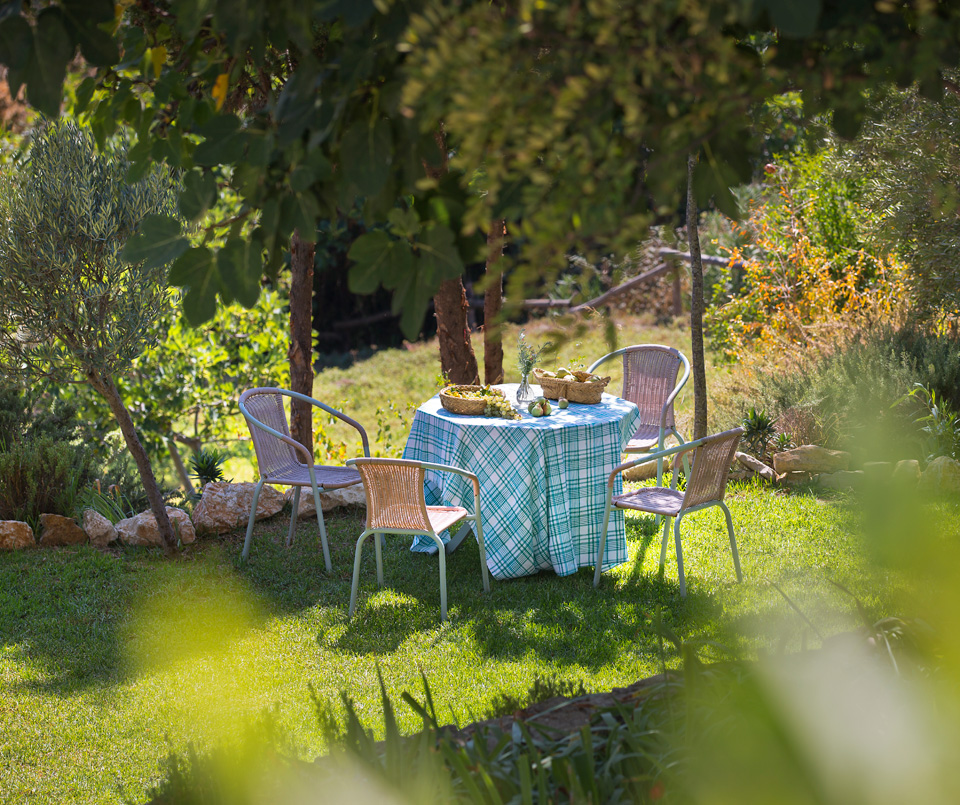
x=799, y=286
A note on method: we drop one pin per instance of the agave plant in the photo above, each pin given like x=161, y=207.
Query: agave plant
x=759, y=430
x=207, y=466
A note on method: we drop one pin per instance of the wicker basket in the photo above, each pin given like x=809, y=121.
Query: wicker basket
x=574, y=390
x=459, y=405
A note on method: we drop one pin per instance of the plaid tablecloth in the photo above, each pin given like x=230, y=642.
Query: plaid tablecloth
x=542, y=480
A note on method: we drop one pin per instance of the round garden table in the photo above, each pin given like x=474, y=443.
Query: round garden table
x=542, y=480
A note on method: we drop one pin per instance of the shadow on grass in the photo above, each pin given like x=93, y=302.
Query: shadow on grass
x=77, y=618
x=561, y=621
x=59, y=616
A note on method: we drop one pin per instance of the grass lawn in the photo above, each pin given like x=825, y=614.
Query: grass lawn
x=108, y=659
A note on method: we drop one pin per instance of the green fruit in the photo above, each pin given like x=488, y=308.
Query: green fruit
x=547, y=408
x=533, y=404
x=536, y=411
x=563, y=402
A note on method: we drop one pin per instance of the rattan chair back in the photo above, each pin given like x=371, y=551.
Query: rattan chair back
x=711, y=466
x=394, y=494
x=273, y=455
x=650, y=375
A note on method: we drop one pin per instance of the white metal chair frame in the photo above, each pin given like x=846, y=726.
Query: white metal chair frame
x=666, y=421
x=684, y=510
x=467, y=520
x=299, y=450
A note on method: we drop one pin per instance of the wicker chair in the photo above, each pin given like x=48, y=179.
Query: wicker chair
x=650, y=382
x=706, y=485
x=283, y=461
x=396, y=505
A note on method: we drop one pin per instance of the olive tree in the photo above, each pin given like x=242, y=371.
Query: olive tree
x=71, y=309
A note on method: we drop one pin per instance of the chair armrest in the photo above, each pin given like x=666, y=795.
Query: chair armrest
x=426, y=465
x=333, y=412
x=447, y=468
x=682, y=448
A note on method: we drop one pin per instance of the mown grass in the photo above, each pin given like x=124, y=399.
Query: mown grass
x=109, y=659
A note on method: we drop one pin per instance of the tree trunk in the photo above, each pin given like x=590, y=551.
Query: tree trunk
x=301, y=340
x=178, y=465
x=457, y=360
x=492, y=304
x=696, y=308
x=108, y=390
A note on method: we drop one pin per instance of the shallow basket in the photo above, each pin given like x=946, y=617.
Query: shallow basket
x=458, y=405
x=574, y=390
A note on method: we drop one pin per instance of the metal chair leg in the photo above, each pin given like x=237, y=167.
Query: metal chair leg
x=663, y=546
x=253, y=516
x=478, y=530
x=293, y=515
x=733, y=540
x=443, y=575
x=377, y=549
x=356, y=573
x=676, y=536
x=598, y=565
x=323, y=529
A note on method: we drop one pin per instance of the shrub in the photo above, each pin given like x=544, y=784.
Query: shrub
x=805, y=277
x=41, y=476
x=45, y=459
x=858, y=389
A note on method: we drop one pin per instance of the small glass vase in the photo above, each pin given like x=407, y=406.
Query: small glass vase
x=525, y=392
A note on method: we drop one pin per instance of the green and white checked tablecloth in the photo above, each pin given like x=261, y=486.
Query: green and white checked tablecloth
x=542, y=480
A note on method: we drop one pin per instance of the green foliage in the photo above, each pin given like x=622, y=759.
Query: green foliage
x=70, y=306
x=759, y=430
x=41, y=476
x=843, y=397
x=207, y=466
x=907, y=158
x=527, y=356
x=44, y=459
x=572, y=127
x=940, y=424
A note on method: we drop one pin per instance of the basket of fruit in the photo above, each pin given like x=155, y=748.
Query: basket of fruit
x=469, y=400
x=577, y=387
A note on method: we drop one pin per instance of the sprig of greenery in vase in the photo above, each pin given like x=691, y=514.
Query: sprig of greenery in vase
x=527, y=356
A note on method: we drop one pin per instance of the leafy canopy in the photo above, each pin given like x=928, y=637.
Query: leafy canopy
x=572, y=121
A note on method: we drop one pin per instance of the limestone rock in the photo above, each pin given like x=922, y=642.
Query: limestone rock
x=941, y=475
x=642, y=472
x=15, y=534
x=794, y=478
x=842, y=479
x=811, y=458
x=907, y=470
x=225, y=507
x=755, y=465
x=348, y=496
x=99, y=529
x=878, y=470
x=59, y=530
x=142, y=529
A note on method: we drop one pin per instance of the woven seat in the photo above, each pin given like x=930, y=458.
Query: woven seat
x=283, y=461
x=706, y=485
x=396, y=505
x=656, y=500
x=650, y=382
